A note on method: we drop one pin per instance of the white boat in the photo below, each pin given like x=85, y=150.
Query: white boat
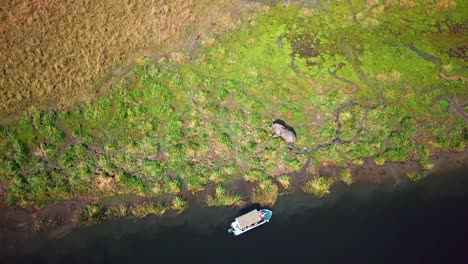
x=250, y=220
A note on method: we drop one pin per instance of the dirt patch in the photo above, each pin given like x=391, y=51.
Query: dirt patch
x=208, y=190
x=393, y=171
x=242, y=187
x=298, y=179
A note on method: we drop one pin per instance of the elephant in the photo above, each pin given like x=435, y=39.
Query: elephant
x=281, y=129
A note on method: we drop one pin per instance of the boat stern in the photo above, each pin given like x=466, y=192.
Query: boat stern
x=234, y=228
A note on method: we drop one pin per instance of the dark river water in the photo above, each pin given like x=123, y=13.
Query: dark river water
x=425, y=222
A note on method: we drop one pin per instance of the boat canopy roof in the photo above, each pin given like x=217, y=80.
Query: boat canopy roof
x=248, y=219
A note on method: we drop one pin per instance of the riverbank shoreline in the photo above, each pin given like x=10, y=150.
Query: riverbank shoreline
x=393, y=215
x=58, y=220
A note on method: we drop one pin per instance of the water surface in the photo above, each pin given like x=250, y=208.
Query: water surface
x=406, y=223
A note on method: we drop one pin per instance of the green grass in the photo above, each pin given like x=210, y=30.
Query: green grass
x=221, y=197
x=416, y=175
x=147, y=208
x=118, y=211
x=95, y=213
x=265, y=193
x=92, y=214
x=346, y=177
x=319, y=186
x=284, y=181
x=178, y=204
x=180, y=124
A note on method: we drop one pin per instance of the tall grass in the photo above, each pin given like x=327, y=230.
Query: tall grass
x=265, y=193
x=117, y=211
x=222, y=198
x=416, y=175
x=319, y=186
x=178, y=204
x=285, y=181
x=92, y=214
x=147, y=208
x=346, y=177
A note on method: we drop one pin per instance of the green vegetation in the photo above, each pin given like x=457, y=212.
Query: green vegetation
x=345, y=176
x=265, y=193
x=357, y=79
x=284, y=181
x=143, y=210
x=95, y=213
x=222, y=198
x=92, y=214
x=178, y=204
x=118, y=211
x=319, y=186
x=416, y=175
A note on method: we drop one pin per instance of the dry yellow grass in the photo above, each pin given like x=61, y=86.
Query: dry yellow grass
x=55, y=52
x=407, y=3
x=439, y=4
x=445, y=4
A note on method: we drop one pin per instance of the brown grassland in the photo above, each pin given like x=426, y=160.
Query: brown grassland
x=54, y=53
